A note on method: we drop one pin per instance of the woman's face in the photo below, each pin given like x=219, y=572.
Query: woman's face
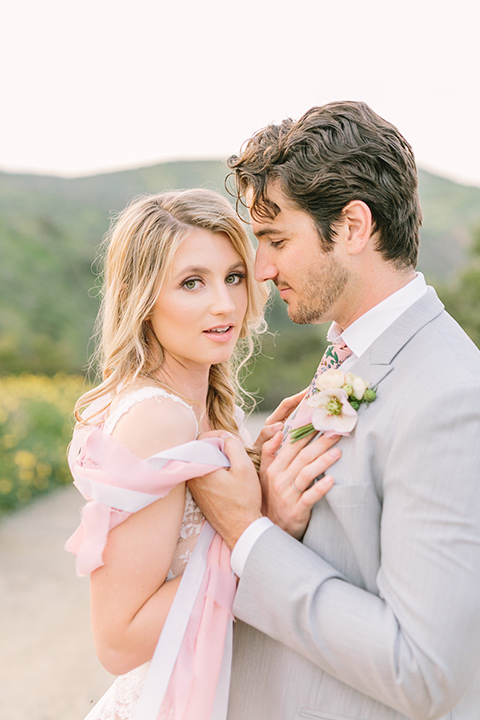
x=200, y=308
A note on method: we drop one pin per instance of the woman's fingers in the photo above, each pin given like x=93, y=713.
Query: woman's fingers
x=294, y=455
x=310, y=497
x=286, y=407
x=271, y=447
x=267, y=433
x=306, y=476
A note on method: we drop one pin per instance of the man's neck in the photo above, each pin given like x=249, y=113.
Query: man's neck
x=373, y=290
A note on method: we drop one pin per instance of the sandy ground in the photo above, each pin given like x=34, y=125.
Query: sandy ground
x=48, y=667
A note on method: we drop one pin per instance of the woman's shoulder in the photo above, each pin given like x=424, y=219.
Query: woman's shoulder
x=133, y=395
x=148, y=419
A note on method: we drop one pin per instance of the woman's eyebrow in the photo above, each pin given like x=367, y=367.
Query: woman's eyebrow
x=201, y=270
x=193, y=269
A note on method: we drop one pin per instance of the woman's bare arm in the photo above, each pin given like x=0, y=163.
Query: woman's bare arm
x=130, y=598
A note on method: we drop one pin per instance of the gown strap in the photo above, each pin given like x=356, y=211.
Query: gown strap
x=136, y=396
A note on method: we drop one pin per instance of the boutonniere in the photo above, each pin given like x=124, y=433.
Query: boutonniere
x=332, y=406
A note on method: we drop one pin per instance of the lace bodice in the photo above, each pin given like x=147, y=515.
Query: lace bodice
x=192, y=517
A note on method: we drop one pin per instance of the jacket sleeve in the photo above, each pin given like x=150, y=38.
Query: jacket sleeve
x=415, y=645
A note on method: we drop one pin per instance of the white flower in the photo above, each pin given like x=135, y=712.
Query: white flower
x=330, y=379
x=359, y=386
x=332, y=408
x=333, y=413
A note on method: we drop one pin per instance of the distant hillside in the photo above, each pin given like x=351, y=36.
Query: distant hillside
x=451, y=214
x=50, y=228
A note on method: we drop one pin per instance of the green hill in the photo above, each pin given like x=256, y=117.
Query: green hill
x=50, y=228
x=451, y=214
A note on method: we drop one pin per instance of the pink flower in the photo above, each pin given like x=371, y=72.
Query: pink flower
x=332, y=407
x=332, y=413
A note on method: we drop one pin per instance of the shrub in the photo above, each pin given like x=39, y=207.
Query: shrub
x=36, y=422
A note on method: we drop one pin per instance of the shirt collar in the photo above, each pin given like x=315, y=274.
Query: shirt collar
x=363, y=332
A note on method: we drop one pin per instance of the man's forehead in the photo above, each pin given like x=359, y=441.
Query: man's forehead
x=273, y=193
x=271, y=220
x=266, y=218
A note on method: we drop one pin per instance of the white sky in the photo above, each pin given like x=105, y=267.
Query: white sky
x=98, y=85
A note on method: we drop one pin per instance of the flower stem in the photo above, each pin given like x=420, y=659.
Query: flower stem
x=301, y=432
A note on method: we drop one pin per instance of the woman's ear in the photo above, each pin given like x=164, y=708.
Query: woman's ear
x=358, y=223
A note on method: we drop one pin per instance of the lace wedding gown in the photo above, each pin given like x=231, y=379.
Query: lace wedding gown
x=119, y=701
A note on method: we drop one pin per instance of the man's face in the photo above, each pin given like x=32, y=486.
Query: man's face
x=310, y=280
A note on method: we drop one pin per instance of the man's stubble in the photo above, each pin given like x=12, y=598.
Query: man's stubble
x=320, y=289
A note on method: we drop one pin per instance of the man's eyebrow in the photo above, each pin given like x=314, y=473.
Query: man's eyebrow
x=267, y=231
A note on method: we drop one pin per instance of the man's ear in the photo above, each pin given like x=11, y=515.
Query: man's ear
x=358, y=224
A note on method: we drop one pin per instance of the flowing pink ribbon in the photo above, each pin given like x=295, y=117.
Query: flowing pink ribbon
x=116, y=483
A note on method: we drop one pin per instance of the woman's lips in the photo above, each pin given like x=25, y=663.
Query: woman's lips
x=221, y=333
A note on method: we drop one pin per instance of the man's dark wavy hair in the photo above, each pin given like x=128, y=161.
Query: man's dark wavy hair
x=334, y=154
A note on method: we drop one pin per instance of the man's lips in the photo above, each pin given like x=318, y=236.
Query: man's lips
x=283, y=290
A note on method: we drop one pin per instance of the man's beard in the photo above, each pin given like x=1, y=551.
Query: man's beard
x=319, y=291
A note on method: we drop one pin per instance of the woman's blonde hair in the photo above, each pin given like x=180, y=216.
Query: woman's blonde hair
x=140, y=246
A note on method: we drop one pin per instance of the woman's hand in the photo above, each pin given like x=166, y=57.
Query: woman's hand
x=274, y=422
x=287, y=478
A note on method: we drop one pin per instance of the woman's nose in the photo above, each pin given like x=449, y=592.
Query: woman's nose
x=223, y=301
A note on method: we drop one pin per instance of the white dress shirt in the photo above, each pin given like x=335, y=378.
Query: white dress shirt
x=359, y=336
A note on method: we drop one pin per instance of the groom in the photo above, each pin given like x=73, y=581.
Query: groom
x=375, y=613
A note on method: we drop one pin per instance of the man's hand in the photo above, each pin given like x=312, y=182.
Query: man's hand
x=287, y=477
x=230, y=499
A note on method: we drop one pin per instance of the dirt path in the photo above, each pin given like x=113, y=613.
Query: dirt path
x=48, y=667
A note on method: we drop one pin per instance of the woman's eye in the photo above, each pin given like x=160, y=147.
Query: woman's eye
x=234, y=278
x=191, y=283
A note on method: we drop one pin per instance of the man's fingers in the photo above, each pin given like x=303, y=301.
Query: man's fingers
x=235, y=452
x=212, y=433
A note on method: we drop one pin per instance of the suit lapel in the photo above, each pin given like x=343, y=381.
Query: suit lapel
x=377, y=362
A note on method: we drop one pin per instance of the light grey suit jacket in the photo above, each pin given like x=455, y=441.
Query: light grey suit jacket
x=376, y=615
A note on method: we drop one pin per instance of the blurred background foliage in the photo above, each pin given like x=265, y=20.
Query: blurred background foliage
x=50, y=229
x=35, y=429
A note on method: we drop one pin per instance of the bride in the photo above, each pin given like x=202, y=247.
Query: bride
x=180, y=307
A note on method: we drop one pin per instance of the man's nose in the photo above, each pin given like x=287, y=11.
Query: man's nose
x=265, y=269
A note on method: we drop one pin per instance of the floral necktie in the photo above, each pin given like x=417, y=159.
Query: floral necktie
x=332, y=358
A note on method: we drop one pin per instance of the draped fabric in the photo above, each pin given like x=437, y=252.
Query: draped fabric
x=189, y=673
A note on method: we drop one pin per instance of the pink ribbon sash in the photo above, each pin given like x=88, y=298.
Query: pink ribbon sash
x=190, y=671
